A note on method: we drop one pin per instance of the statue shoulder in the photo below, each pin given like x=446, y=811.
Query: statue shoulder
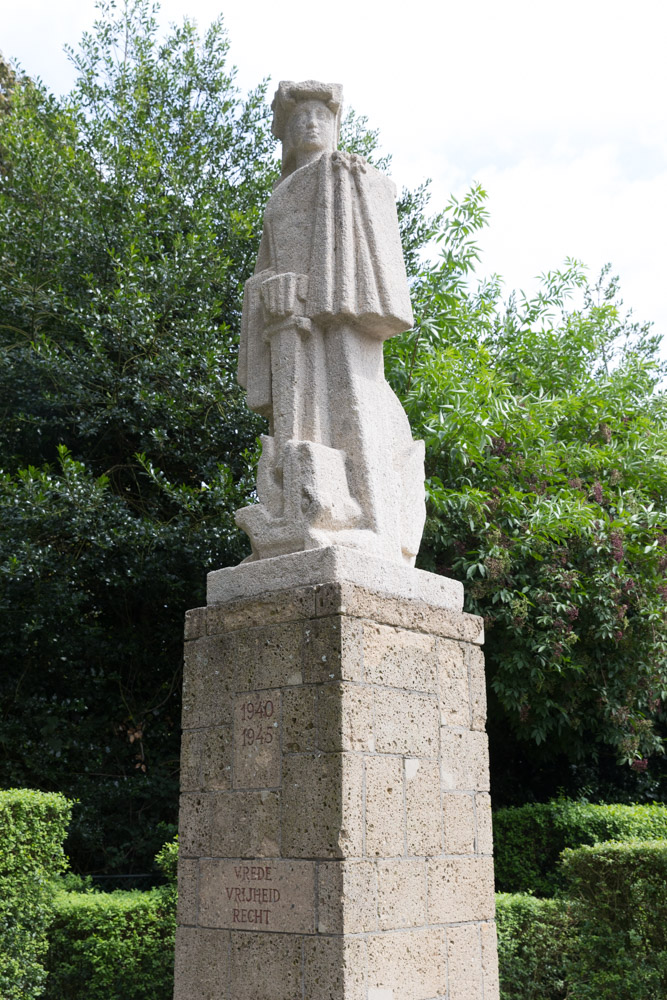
x=359, y=165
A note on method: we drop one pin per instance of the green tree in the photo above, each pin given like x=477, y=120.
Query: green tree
x=546, y=437
x=130, y=215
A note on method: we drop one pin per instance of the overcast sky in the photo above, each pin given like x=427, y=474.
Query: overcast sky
x=558, y=109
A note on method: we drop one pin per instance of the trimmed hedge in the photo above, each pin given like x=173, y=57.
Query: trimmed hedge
x=529, y=839
x=115, y=945
x=606, y=940
x=167, y=860
x=33, y=826
x=534, y=935
x=112, y=945
x=621, y=892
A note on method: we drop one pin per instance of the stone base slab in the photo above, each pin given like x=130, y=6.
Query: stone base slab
x=334, y=564
x=335, y=825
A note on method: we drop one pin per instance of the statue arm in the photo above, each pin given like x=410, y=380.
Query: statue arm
x=264, y=253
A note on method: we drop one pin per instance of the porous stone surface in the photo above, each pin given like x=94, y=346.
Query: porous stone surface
x=339, y=465
x=202, y=963
x=360, y=607
x=332, y=563
x=335, y=837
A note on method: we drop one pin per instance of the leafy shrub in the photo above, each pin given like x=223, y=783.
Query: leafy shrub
x=620, y=893
x=529, y=839
x=33, y=826
x=546, y=486
x=167, y=859
x=112, y=946
x=533, y=937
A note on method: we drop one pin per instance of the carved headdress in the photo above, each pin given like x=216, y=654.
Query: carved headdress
x=288, y=96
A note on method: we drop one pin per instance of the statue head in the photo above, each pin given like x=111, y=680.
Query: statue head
x=306, y=118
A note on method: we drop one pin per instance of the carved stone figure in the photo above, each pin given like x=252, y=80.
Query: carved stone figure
x=339, y=466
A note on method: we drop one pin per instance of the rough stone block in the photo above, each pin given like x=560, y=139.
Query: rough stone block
x=460, y=889
x=399, y=658
x=465, y=761
x=192, y=741
x=195, y=623
x=265, y=966
x=188, y=876
x=406, y=723
x=257, y=896
x=207, y=682
x=458, y=812
x=257, y=735
x=194, y=825
x=266, y=609
x=334, y=968
x=401, y=893
x=322, y=805
x=465, y=963
x=453, y=684
x=269, y=657
x=415, y=615
x=206, y=759
x=422, y=806
x=411, y=964
x=299, y=715
x=202, y=964
x=216, y=764
x=384, y=807
x=335, y=562
x=489, y=940
x=347, y=897
x=332, y=650
x=484, y=823
x=345, y=718
x=244, y=824
x=475, y=659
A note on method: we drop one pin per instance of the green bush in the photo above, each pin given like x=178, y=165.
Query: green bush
x=167, y=859
x=619, y=889
x=529, y=839
x=112, y=946
x=33, y=826
x=533, y=937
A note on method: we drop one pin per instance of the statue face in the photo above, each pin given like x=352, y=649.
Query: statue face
x=310, y=128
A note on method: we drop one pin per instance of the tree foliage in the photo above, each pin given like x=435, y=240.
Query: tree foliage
x=546, y=438
x=130, y=214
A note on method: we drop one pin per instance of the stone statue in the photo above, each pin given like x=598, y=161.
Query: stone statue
x=339, y=466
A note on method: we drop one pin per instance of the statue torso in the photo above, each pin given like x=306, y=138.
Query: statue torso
x=290, y=218
x=334, y=220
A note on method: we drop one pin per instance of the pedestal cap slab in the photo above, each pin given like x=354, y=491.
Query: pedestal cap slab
x=335, y=564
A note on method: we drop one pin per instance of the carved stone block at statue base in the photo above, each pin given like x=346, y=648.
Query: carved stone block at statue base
x=333, y=564
x=335, y=833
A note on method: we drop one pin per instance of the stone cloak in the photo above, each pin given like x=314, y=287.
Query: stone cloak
x=352, y=257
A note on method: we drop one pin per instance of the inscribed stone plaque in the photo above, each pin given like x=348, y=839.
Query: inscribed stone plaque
x=257, y=739
x=258, y=896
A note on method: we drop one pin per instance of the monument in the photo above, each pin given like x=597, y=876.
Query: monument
x=335, y=824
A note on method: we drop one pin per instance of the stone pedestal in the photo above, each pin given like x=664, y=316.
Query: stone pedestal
x=335, y=832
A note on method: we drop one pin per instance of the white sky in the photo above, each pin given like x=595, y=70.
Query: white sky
x=559, y=109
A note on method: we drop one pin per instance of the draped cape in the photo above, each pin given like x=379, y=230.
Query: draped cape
x=335, y=221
